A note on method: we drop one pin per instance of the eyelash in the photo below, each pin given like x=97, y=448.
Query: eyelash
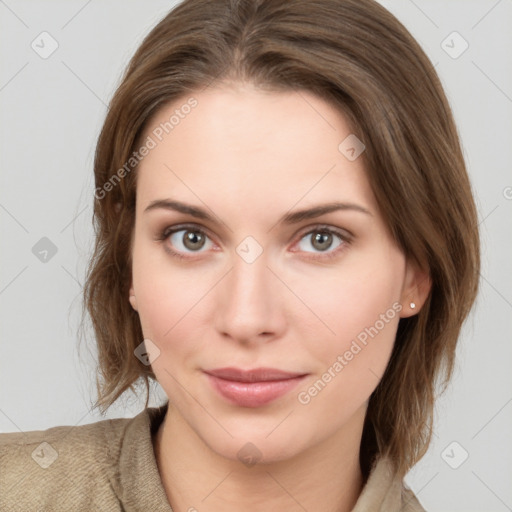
x=345, y=239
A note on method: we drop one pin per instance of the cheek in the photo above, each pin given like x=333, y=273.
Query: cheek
x=164, y=292
x=362, y=308
x=364, y=293
x=172, y=303
x=169, y=311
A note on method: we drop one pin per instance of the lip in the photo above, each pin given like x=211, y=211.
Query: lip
x=252, y=388
x=254, y=375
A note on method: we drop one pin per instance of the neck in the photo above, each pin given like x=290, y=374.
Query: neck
x=326, y=477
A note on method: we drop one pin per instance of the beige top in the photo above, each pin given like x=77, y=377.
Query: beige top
x=110, y=466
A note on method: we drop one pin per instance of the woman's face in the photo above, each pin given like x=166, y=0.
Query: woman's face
x=259, y=277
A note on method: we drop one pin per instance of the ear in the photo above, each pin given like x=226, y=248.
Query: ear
x=132, y=298
x=417, y=286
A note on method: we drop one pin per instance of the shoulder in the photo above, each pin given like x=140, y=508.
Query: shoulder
x=61, y=466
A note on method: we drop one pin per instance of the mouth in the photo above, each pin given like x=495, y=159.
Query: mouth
x=252, y=388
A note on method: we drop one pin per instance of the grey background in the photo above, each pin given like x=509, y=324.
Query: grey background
x=51, y=111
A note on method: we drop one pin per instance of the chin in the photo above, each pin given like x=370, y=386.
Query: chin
x=252, y=447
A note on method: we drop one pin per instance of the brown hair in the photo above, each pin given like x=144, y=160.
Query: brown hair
x=360, y=58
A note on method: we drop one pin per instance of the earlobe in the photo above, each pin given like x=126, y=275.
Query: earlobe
x=133, y=299
x=417, y=286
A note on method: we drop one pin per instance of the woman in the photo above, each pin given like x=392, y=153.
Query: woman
x=286, y=241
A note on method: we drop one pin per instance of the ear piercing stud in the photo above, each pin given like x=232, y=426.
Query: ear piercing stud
x=412, y=305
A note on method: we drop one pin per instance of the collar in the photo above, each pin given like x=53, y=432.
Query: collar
x=136, y=480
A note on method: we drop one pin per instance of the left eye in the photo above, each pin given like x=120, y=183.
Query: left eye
x=321, y=239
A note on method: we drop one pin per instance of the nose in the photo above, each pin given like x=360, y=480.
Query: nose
x=249, y=304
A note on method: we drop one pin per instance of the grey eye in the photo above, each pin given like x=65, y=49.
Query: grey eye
x=321, y=240
x=188, y=240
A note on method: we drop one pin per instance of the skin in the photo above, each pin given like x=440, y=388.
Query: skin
x=248, y=157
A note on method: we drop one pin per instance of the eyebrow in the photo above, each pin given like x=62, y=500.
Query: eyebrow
x=288, y=218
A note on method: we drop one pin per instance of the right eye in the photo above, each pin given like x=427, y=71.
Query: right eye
x=185, y=240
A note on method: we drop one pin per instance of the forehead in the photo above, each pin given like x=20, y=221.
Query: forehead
x=244, y=144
